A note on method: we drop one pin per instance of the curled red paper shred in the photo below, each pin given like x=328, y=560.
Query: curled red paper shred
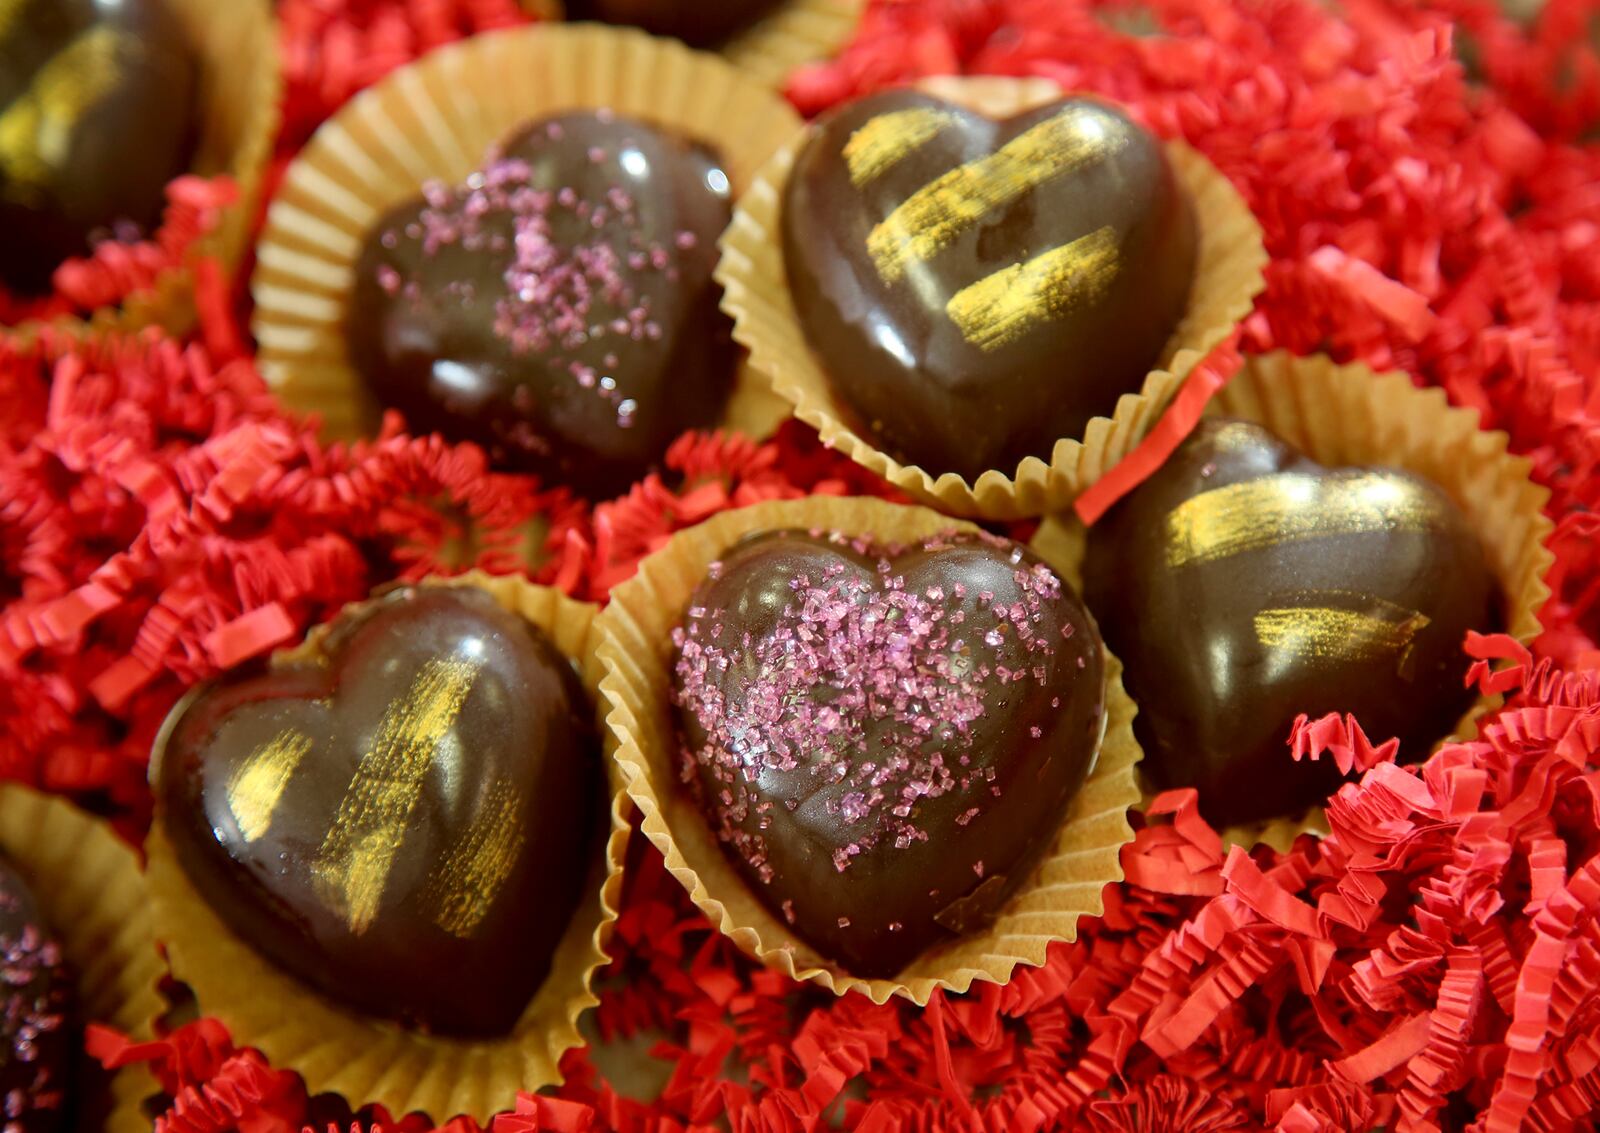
x=1427, y=193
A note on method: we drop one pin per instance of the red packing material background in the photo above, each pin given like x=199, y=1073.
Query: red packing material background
x=1430, y=203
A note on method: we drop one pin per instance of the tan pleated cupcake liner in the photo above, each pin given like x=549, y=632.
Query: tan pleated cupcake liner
x=1228, y=276
x=793, y=34
x=434, y=120
x=1350, y=415
x=637, y=651
x=238, y=103
x=92, y=893
x=364, y=1059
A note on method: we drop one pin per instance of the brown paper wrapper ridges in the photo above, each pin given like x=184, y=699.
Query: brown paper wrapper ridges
x=237, y=109
x=1228, y=276
x=637, y=651
x=1350, y=415
x=365, y=1059
x=92, y=892
x=434, y=120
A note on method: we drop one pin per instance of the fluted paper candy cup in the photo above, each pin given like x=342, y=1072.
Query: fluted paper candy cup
x=365, y=1059
x=1228, y=276
x=637, y=652
x=435, y=120
x=1350, y=415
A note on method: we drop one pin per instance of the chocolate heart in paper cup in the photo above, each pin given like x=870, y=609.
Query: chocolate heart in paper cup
x=92, y=894
x=767, y=39
x=434, y=121
x=919, y=162
x=1392, y=459
x=236, y=110
x=395, y=761
x=1054, y=882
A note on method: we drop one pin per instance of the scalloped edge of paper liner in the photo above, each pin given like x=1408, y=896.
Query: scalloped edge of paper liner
x=92, y=893
x=1228, y=277
x=434, y=119
x=363, y=1059
x=247, y=107
x=794, y=34
x=1348, y=415
x=636, y=651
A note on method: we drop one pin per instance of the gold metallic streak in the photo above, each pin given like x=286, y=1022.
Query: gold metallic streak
x=353, y=864
x=1330, y=633
x=463, y=887
x=933, y=217
x=36, y=129
x=880, y=144
x=257, y=784
x=1291, y=506
x=1000, y=309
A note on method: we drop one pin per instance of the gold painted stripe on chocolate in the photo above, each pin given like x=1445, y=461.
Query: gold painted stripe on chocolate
x=935, y=215
x=36, y=130
x=1289, y=507
x=257, y=784
x=880, y=144
x=463, y=887
x=359, y=849
x=998, y=310
x=1334, y=634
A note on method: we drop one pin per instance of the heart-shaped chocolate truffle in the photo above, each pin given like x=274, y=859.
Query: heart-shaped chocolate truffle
x=978, y=290
x=697, y=24
x=1244, y=584
x=96, y=117
x=558, y=308
x=408, y=827
x=885, y=739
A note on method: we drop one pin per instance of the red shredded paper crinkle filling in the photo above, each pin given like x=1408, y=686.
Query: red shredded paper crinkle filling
x=1427, y=180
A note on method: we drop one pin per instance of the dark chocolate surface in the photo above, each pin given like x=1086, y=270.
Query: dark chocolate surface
x=407, y=829
x=885, y=746
x=39, y=1029
x=976, y=291
x=558, y=308
x=96, y=116
x=699, y=23
x=1244, y=584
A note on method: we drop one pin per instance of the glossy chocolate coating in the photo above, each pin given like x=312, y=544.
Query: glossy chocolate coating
x=407, y=829
x=977, y=291
x=39, y=1031
x=96, y=116
x=877, y=780
x=519, y=349
x=1244, y=584
x=699, y=23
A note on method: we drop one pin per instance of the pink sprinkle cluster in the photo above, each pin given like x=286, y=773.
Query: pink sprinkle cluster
x=861, y=681
x=561, y=294
x=35, y=1004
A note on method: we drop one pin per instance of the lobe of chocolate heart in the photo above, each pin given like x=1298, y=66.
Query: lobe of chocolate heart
x=95, y=118
x=698, y=25
x=885, y=740
x=558, y=308
x=1244, y=584
x=977, y=290
x=407, y=828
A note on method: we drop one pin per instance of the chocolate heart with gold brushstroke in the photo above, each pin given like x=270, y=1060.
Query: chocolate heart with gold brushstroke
x=1244, y=584
x=408, y=827
x=977, y=290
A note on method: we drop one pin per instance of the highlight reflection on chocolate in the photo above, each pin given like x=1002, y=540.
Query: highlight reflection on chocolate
x=975, y=290
x=407, y=828
x=1244, y=584
x=96, y=117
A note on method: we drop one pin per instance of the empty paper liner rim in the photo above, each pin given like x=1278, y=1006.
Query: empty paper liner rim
x=366, y=1059
x=636, y=649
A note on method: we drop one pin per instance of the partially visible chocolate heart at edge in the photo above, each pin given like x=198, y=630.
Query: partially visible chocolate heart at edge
x=977, y=290
x=407, y=828
x=1244, y=584
x=885, y=740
